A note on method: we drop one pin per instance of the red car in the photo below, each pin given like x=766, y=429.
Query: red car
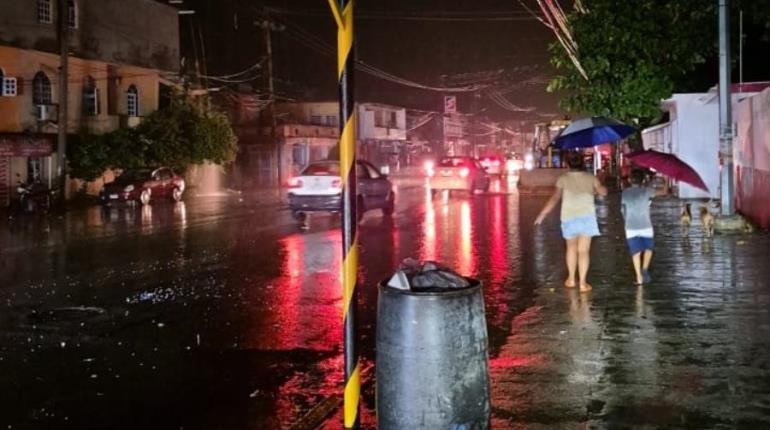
x=144, y=186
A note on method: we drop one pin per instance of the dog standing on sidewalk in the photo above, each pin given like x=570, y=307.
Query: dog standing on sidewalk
x=685, y=219
x=707, y=220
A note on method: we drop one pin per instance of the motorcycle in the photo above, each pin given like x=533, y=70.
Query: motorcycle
x=34, y=196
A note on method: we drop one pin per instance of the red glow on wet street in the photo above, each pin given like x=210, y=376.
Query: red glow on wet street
x=466, y=258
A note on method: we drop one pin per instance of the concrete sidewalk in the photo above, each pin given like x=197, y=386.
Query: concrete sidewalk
x=689, y=350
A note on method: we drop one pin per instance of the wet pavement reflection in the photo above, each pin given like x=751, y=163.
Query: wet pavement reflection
x=220, y=313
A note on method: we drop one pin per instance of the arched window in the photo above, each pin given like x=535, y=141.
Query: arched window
x=44, y=11
x=72, y=14
x=41, y=89
x=132, y=101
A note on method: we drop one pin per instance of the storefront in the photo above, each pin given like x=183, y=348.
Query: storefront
x=24, y=157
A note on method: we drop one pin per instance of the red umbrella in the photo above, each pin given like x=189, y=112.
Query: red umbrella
x=668, y=165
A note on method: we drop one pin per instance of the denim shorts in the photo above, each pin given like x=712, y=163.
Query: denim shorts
x=639, y=244
x=580, y=226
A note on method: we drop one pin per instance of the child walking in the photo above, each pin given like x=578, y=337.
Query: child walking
x=635, y=204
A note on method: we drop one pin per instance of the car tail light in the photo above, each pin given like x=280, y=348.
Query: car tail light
x=464, y=172
x=337, y=184
x=295, y=183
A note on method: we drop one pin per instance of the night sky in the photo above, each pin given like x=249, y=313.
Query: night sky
x=427, y=41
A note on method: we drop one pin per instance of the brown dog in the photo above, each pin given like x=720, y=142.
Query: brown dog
x=685, y=219
x=707, y=221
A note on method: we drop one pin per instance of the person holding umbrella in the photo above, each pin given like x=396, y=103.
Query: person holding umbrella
x=635, y=205
x=576, y=190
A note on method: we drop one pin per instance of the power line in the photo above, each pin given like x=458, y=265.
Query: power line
x=407, y=16
x=300, y=35
x=255, y=66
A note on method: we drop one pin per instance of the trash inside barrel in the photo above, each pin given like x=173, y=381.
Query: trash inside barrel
x=432, y=363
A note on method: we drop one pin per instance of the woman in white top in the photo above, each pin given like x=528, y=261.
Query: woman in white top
x=576, y=190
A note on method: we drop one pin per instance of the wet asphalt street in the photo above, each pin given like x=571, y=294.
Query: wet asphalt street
x=219, y=313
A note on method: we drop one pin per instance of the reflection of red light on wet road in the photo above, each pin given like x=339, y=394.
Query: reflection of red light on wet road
x=304, y=300
x=466, y=258
x=428, y=249
x=287, y=311
x=498, y=251
x=502, y=363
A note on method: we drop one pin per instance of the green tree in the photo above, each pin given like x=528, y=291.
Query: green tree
x=635, y=54
x=178, y=136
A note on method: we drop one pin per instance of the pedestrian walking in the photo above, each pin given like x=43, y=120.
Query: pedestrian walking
x=635, y=205
x=576, y=190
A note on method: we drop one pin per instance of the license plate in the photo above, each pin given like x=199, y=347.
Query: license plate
x=113, y=196
x=446, y=173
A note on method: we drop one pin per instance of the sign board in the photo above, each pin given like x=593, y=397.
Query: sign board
x=25, y=146
x=452, y=127
x=450, y=104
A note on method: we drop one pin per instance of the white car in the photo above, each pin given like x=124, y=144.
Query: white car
x=319, y=189
x=458, y=173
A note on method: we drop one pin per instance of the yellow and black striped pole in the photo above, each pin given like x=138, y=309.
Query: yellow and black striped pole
x=343, y=15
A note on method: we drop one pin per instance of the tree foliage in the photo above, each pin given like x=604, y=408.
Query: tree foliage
x=635, y=54
x=177, y=136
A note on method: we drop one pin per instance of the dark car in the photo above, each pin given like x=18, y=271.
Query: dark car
x=144, y=186
x=318, y=189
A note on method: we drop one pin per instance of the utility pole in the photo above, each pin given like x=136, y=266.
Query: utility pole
x=61, y=150
x=268, y=27
x=343, y=16
x=726, y=185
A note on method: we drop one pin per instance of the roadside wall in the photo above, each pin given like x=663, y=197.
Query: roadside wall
x=752, y=158
x=539, y=180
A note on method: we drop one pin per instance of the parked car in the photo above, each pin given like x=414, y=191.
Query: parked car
x=144, y=186
x=318, y=189
x=492, y=164
x=459, y=173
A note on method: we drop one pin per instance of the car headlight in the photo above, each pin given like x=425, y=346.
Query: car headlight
x=129, y=188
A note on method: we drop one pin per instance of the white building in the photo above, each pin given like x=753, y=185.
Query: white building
x=381, y=133
x=692, y=134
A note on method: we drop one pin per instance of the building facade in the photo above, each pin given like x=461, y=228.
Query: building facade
x=305, y=132
x=119, y=51
x=382, y=134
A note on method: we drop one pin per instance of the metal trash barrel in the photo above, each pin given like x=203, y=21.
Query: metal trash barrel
x=432, y=361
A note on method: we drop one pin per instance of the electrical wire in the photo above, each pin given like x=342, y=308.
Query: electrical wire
x=300, y=35
x=504, y=103
x=472, y=16
x=422, y=121
x=254, y=66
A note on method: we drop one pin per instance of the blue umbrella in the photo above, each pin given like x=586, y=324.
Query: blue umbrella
x=589, y=132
